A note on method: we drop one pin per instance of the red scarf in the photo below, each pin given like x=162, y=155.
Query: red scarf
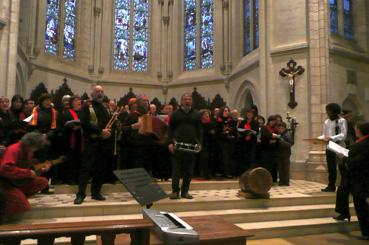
x=248, y=127
x=362, y=138
x=73, y=136
x=34, y=120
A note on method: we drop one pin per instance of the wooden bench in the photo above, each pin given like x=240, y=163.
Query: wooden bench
x=138, y=229
x=212, y=231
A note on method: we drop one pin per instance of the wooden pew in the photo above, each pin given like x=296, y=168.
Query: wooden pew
x=138, y=229
x=212, y=231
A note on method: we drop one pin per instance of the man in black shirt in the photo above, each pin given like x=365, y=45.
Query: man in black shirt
x=184, y=127
x=97, y=148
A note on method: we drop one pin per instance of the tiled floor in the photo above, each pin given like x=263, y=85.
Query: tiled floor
x=298, y=188
x=322, y=239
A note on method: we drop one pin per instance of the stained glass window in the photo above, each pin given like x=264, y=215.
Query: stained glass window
x=67, y=27
x=70, y=21
x=190, y=34
x=131, y=35
x=207, y=41
x=333, y=16
x=122, y=34
x=198, y=50
x=256, y=24
x=140, y=35
x=52, y=26
x=347, y=19
x=247, y=27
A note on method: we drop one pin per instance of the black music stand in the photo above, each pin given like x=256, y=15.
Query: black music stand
x=141, y=186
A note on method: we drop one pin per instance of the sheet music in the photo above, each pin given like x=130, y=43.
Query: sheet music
x=336, y=148
x=28, y=119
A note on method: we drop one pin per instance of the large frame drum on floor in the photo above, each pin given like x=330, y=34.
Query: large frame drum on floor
x=255, y=183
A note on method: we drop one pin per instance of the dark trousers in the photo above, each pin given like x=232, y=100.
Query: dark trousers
x=343, y=192
x=332, y=168
x=362, y=212
x=206, y=160
x=93, y=165
x=182, y=162
x=227, y=149
x=269, y=161
x=284, y=163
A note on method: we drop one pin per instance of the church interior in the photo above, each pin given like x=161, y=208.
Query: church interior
x=286, y=58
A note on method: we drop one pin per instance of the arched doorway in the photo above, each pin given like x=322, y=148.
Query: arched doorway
x=352, y=105
x=246, y=96
x=249, y=101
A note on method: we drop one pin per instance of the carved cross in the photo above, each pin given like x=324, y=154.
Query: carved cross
x=291, y=72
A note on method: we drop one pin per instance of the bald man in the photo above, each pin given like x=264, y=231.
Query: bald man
x=97, y=146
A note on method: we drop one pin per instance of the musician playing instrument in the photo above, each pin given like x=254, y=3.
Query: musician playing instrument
x=97, y=145
x=184, y=127
x=140, y=138
x=18, y=181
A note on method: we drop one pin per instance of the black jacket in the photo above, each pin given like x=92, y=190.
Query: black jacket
x=91, y=129
x=185, y=127
x=358, y=165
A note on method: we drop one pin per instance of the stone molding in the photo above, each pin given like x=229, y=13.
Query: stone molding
x=341, y=51
x=291, y=48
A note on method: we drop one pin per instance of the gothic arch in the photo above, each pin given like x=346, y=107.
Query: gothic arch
x=351, y=103
x=246, y=96
x=19, y=81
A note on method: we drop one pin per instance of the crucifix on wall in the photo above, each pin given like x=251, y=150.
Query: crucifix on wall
x=291, y=72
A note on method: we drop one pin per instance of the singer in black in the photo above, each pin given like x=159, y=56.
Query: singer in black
x=184, y=127
x=97, y=148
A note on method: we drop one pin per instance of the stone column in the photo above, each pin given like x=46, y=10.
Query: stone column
x=319, y=65
x=9, y=21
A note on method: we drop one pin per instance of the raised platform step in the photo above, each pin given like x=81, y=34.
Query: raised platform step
x=230, y=215
x=298, y=227
x=299, y=209
x=196, y=184
x=58, y=206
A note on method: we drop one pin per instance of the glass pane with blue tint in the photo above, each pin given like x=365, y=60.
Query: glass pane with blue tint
x=256, y=24
x=140, y=35
x=247, y=26
x=122, y=17
x=190, y=35
x=206, y=31
x=333, y=16
x=52, y=26
x=348, y=28
x=70, y=21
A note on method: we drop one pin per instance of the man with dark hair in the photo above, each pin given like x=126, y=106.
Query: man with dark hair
x=28, y=107
x=334, y=129
x=97, y=147
x=17, y=180
x=184, y=127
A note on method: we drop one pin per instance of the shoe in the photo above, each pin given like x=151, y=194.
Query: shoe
x=79, y=199
x=365, y=238
x=187, y=196
x=46, y=191
x=98, y=197
x=343, y=217
x=329, y=189
x=174, y=195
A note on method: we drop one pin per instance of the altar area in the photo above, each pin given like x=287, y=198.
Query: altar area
x=297, y=210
